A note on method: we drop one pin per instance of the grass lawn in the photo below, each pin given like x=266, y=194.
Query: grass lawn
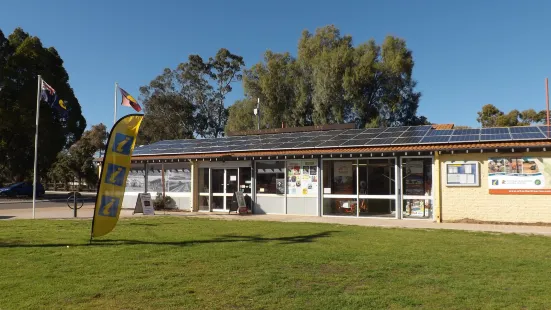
x=184, y=263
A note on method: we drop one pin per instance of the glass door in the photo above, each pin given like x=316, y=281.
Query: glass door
x=230, y=186
x=417, y=187
x=217, y=189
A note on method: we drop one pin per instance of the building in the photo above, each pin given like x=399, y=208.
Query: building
x=429, y=172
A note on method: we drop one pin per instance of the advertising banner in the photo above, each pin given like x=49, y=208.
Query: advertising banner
x=519, y=176
x=114, y=173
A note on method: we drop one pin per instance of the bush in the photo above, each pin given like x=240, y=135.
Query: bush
x=160, y=204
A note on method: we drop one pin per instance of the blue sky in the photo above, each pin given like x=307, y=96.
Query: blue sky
x=467, y=53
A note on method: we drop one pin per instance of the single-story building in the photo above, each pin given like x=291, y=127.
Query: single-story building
x=431, y=172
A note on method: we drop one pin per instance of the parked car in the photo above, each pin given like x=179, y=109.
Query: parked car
x=22, y=189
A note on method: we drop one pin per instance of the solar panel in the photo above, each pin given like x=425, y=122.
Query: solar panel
x=436, y=139
x=494, y=131
x=385, y=141
x=289, y=145
x=388, y=135
x=397, y=129
x=413, y=134
x=528, y=136
x=465, y=138
x=464, y=132
x=407, y=140
x=308, y=144
x=366, y=136
x=330, y=143
x=495, y=137
x=524, y=129
x=545, y=131
x=355, y=142
x=444, y=132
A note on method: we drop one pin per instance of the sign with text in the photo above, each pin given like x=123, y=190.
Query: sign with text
x=241, y=203
x=519, y=175
x=144, y=204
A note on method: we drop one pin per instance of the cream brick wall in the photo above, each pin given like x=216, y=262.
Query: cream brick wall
x=458, y=203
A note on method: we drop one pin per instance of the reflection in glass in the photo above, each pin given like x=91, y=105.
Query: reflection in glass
x=340, y=206
x=377, y=207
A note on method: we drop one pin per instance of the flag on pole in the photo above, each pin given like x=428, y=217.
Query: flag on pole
x=49, y=95
x=129, y=101
x=114, y=171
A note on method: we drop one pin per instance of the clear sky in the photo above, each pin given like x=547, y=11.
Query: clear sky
x=467, y=53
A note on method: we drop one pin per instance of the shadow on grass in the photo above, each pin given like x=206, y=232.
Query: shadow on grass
x=221, y=239
x=5, y=217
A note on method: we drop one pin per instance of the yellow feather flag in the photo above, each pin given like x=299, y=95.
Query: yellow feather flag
x=115, y=168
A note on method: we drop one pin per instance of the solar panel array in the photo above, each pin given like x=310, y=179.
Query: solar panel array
x=414, y=135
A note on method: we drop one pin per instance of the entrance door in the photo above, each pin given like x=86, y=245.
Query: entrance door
x=224, y=185
x=417, y=187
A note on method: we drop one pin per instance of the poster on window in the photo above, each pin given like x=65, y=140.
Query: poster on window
x=154, y=181
x=302, y=178
x=178, y=180
x=414, y=178
x=519, y=175
x=136, y=181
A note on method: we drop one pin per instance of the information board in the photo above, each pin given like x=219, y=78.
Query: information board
x=241, y=204
x=462, y=174
x=144, y=204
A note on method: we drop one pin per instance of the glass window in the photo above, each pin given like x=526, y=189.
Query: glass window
x=302, y=177
x=417, y=176
x=217, y=180
x=270, y=177
x=376, y=176
x=231, y=181
x=377, y=207
x=203, y=180
x=178, y=180
x=204, y=203
x=339, y=177
x=154, y=178
x=417, y=208
x=136, y=181
x=340, y=206
x=218, y=202
x=245, y=180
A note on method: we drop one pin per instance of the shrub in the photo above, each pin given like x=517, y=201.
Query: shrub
x=167, y=203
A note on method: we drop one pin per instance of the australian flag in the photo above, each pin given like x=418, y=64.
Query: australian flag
x=49, y=95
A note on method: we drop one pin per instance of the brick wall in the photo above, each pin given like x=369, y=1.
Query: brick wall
x=458, y=203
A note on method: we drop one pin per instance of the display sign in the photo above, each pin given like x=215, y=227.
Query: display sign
x=241, y=204
x=144, y=204
x=462, y=174
x=519, y=175
x=302, y=177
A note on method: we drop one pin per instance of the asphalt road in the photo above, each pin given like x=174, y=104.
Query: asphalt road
x=50, y=199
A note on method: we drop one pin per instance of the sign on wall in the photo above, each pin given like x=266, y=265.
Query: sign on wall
x=462, y=174
x=302, y=177
x=519, y=175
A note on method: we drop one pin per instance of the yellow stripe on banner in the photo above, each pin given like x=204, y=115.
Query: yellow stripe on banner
x=116, y=165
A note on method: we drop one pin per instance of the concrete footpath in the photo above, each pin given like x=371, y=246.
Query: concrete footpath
x=86, y=212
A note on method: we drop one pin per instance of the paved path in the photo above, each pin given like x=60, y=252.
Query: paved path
x=57, y=211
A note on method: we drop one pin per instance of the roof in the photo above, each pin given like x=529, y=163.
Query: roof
x=392, y=139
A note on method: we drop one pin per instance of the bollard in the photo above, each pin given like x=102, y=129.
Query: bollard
x=75, y=204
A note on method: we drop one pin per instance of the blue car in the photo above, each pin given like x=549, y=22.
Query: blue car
x=22, y=189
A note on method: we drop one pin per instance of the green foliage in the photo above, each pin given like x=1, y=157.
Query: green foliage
x=241, y=120
x=161, y=203
x=491, y=116
x=78, y=161
x=189, y=100
x=22, y=59
x=331, y=81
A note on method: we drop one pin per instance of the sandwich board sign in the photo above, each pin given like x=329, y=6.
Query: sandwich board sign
x=144, y=204
x=241, y=204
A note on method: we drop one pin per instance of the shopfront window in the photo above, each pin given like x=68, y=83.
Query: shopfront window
x=417, y=188
x=340, y=187
x=203, y=180
x=302, y=177
x=377, y=176
x=177, y=179
x=217, y=180
x=245, y=180
x=270, y=177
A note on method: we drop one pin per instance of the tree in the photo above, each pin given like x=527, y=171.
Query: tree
x=242, y=119
x=78, y=161
x=491, y=116
x=189, y=100
x=331, y=81
x=22, y=59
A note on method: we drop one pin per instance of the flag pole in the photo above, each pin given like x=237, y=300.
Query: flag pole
x=36, y=142
x=547, y=100
x=115, y=117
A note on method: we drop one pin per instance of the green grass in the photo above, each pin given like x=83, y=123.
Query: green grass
x=182, y=263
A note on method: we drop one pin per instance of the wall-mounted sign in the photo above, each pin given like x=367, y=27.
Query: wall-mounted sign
x=519, y=175
x=462, y=174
